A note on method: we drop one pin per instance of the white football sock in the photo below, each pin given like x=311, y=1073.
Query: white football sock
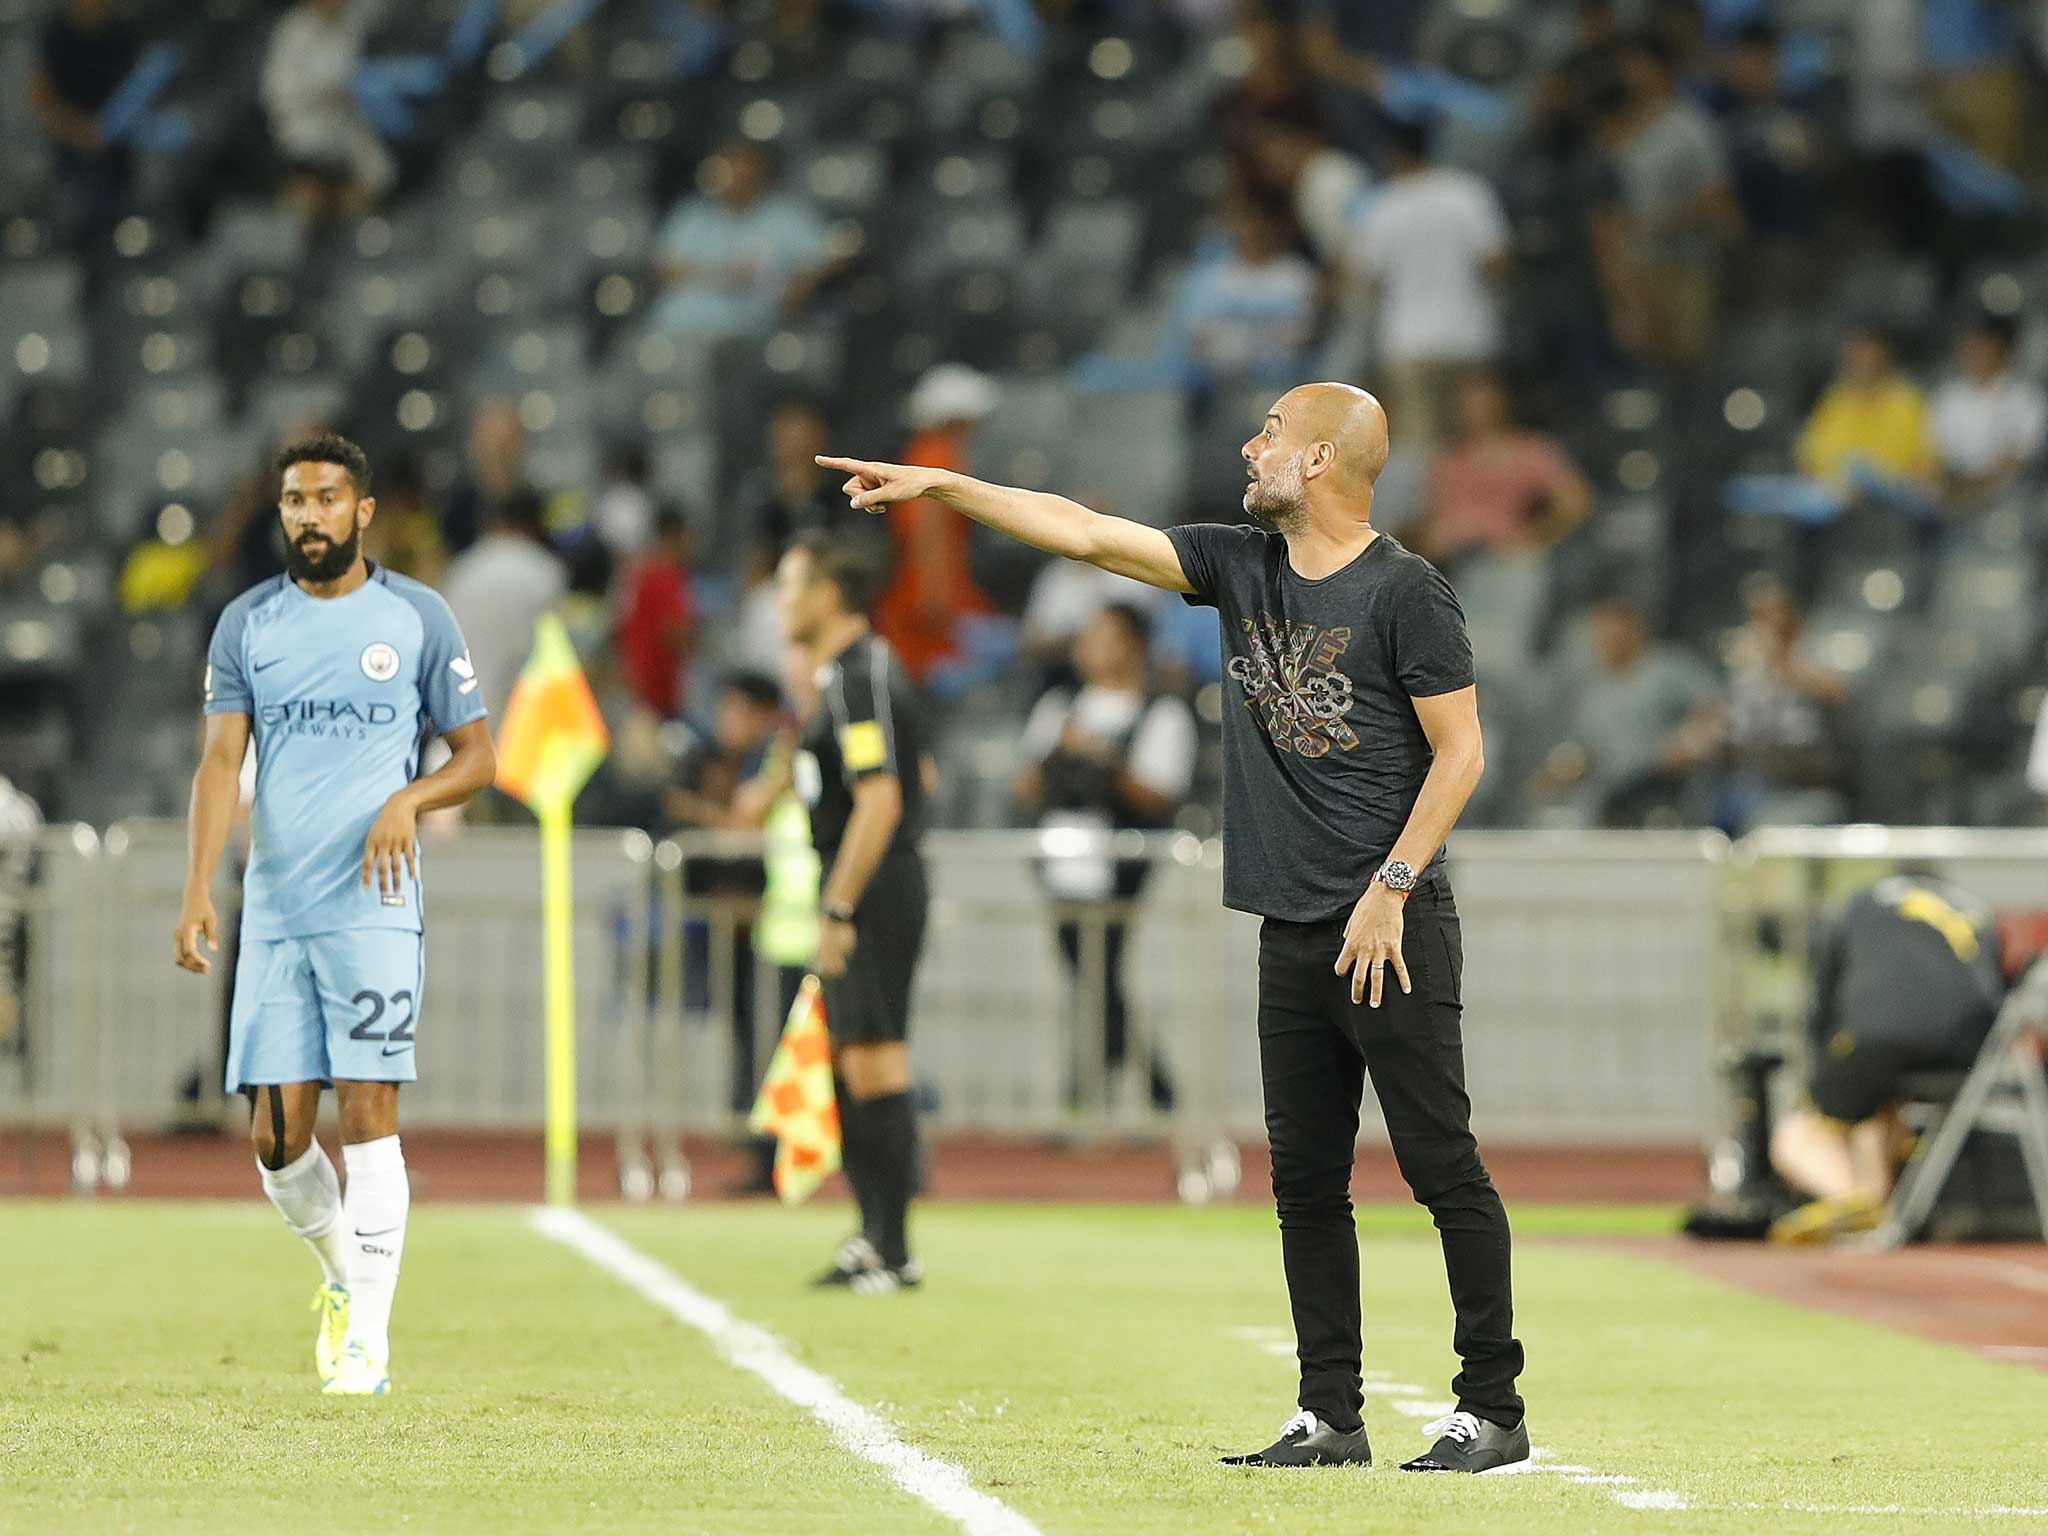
x=308, y=1196
x=379, y=1194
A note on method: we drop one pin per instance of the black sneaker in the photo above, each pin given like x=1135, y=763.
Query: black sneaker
x=856, y=1257
x=1306, y=1441
x=884, y=1278
x=1468, y=1443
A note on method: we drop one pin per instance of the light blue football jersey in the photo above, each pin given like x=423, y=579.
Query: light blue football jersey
x=341, y=693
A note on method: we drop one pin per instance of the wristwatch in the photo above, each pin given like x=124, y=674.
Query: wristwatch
x=1396, y=875
x=838, y=912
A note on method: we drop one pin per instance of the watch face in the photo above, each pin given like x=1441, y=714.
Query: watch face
x=1396, y=876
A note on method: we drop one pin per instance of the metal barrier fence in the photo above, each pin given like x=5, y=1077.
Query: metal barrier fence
x=1594, y=991
x=1609, y=979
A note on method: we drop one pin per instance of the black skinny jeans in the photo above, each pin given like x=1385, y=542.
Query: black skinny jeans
x=1316, y=1048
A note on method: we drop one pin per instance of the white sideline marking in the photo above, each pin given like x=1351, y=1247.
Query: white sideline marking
x=2014, y=1274
x=938, y=1483
x=2018, y=1353
x=1650, y=1498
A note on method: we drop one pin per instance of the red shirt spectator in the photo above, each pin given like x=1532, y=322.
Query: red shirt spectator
x=658, y=618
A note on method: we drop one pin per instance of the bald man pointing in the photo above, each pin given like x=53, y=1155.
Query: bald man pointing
x=1352, y=748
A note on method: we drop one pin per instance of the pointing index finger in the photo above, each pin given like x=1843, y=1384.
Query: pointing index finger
x=847, y=466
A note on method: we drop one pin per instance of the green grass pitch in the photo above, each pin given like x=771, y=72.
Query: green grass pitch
x=1083, y=1365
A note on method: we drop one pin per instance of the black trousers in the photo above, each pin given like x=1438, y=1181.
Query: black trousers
x=1316, y=1048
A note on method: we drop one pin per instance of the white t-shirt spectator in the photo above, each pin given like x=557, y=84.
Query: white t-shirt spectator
x=498, y=588
x=1066, y=594
x=1161, y=755
x=1425, y=240
x=1979, y=427
x=308, y=89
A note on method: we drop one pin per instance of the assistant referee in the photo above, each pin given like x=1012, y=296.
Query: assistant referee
x=1351, y=750
x=860, y=764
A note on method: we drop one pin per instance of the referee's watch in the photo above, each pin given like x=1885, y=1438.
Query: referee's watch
x=838, y=912
x=1397, y=875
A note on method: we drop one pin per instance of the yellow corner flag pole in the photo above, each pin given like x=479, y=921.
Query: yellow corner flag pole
x=551, y=742
x=557, y=914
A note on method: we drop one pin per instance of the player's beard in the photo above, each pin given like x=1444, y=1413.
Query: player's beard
x=331, y=565
x=1280, y=499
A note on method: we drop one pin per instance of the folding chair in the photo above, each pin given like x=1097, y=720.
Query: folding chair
x=2005, y=1091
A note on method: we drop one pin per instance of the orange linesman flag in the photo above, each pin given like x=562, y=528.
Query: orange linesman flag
x=552, y=737
x=796, y=1106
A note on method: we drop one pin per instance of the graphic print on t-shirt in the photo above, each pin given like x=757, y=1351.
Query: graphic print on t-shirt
x=1292, y=685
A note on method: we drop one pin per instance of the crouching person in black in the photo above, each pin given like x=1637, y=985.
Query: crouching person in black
x=1906, y=978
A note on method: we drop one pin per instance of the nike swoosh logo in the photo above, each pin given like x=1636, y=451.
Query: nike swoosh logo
x=387, y=1051
x=265, y=666
x=385, y=1233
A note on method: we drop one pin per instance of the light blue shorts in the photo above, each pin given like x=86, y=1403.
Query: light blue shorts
x=326, y=1006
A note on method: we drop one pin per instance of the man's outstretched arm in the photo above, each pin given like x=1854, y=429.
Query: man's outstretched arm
x=1044, y=521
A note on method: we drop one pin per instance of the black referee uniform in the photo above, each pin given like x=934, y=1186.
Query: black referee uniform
x=1906, y=978
x=1324, y=757
x=868, y=722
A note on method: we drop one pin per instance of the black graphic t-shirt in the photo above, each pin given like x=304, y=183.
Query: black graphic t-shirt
x=1323, y=755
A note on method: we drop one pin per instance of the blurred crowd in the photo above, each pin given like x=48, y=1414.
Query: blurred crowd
x=1679, y=308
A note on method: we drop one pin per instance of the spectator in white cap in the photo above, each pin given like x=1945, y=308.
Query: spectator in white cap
x=933, y=588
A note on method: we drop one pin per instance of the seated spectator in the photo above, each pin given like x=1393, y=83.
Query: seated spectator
x=740, y=256
x=1244, y=311
x=405, y=535
x=1066, y=596
x=1977, y=88
x=1639, y=727
x=791, y=494
x=1890, y=124
x=658, y=620
x=753, y=641
x=623, y=513
x=1268, y=92
x=1869, y=428
x=1777, y=154
x=1784, y=748
x=1106, y=755
x=499, y=587
x=1988, y=422
x=744, y=726
x=1432, y=248
x=932, y=589
x=1496, y=486
x=336, y=166
x=1247, y=308
x=83, y=56
x=494, y=472
x=1659, y=234
x=1906, y=977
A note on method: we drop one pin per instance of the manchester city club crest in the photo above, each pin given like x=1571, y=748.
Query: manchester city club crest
x=380, y=662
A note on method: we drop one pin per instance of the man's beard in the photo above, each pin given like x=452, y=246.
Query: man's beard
x=331, y=565
x=1281, y=499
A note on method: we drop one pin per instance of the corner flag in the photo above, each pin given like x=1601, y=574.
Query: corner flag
x=551, y=742
x=553, y=737
x=796, y=1106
